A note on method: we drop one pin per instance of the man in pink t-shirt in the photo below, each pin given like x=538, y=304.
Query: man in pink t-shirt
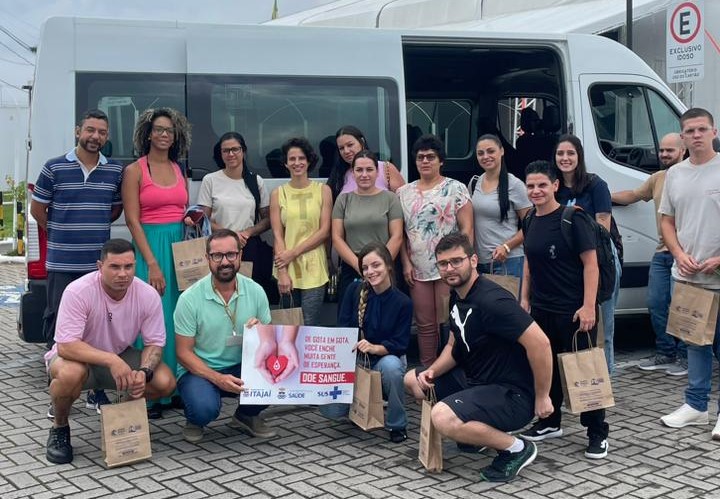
x=101, y=315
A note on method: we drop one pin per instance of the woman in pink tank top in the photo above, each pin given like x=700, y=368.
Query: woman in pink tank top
x=155, y=197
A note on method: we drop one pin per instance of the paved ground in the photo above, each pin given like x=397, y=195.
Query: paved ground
x=314, y=458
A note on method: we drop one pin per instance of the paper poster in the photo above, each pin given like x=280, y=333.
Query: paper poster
x=298, y=365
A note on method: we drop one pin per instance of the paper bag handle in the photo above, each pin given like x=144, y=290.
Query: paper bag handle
x=431, y=396
x=574, y=340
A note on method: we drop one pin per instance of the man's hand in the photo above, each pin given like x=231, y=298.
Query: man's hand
x=586, y=316
x=687, y=265
x=228, y=383
x=137, y=387
x=543, y=406
x=710, y=265
x=426, y=379
x=123, y=375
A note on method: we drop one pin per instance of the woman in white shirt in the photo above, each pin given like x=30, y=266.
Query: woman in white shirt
x=234, y=197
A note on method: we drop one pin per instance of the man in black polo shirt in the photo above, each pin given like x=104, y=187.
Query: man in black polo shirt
x=506, y=361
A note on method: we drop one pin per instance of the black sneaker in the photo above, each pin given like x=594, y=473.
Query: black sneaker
x=59, y=450
x=597, y=448
x=507, y=465
x=155, y=411
x=398, y=436
x=540, y=431
x=469, y=448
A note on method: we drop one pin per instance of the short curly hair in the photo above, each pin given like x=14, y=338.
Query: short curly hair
x=304, y=145
x=181, y=138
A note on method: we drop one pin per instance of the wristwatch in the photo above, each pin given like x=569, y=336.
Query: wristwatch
x=149, y=373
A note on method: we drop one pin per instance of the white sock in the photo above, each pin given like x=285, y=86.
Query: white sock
x=516, y=446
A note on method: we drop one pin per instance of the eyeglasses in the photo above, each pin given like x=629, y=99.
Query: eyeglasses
x=430, y=157
x=451, y=262
x=231, y=150
x=231, y=256
x=161, y=130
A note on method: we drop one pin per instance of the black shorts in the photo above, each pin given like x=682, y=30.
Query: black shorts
x=502, y=407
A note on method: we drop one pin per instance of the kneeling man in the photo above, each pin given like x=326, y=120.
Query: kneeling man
x=101, y=315
x=209, y=320
x=506, y=361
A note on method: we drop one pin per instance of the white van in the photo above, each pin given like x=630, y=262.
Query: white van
x=273, y=82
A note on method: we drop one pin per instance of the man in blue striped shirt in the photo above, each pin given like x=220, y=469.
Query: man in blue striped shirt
x=75, y=199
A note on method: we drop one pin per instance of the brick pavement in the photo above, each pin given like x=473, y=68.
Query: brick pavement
x=312, y=457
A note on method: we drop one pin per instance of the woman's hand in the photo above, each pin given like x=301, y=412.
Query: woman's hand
x=364, y=346
x=500, y=254
x=284, y=258
x=586, y=316
x=156, y=279
x=409, y=274
x=243, y=235
x=285, y=285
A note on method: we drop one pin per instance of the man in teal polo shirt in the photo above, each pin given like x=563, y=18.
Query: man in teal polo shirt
x=209, y=320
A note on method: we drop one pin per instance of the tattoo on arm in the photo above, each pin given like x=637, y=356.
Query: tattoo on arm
x=151, y=357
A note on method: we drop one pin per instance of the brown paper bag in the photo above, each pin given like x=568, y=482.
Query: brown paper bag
x=505, y=281
x=366, y=410
x=292, y=316
x=125, y=433
x=585, y=378
x=190, y=262
x=430, y=451
x=693, y=314
x=246, y=269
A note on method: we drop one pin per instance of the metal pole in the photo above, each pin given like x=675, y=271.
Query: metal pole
x=629, y=25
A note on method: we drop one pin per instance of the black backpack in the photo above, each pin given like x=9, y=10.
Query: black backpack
x=603, y=246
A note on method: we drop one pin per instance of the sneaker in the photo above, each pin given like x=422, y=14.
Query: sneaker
x=192, y=432
x=684, y=416
x=507, y=465
x=657, y=362
x=716, y=430
x=96, y=399
x=679, y=368
x=597, y=448
x=398, y=436
x=540, y=431
x=252, y=425
x=59, y=450
x=51, y=412
x=155, y=411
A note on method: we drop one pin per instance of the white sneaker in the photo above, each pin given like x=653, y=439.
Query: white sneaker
x=684, y=416
x=716, y=430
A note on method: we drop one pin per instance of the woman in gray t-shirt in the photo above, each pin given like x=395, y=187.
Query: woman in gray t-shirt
x=367, y=214
x=499, y=201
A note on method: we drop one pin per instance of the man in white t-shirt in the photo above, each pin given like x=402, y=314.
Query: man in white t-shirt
x=101, y=314
x=670, y=353
x=690, y=209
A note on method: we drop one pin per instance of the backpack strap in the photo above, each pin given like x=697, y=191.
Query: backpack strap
x=472, y=185
x=525, y=223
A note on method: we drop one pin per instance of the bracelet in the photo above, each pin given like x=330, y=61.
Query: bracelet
x=507, y=248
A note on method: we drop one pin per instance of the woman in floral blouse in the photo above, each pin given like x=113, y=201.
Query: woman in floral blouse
x=433, y=206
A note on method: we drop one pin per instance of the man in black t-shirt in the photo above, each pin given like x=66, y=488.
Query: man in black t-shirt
x=559, y=290
x=506, y=361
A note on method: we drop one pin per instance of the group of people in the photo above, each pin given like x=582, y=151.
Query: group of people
x=494, y=373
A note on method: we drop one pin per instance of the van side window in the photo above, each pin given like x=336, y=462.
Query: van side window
x=123, y=96
x=449, y=119
x=629, y=122
x=269, y=110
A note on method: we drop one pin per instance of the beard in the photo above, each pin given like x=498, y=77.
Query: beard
x=225, y=273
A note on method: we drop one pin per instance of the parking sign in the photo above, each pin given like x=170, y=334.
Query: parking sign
x=685, y=41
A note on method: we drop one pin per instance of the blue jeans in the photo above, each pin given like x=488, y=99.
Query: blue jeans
x=607, y=309
x=700, y=367
x=392, y=370
x=660, y=286
x=203, y=399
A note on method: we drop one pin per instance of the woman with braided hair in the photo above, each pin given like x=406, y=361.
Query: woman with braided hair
x=383, y=314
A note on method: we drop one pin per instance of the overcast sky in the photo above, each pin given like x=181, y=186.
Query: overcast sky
x=23, y=18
